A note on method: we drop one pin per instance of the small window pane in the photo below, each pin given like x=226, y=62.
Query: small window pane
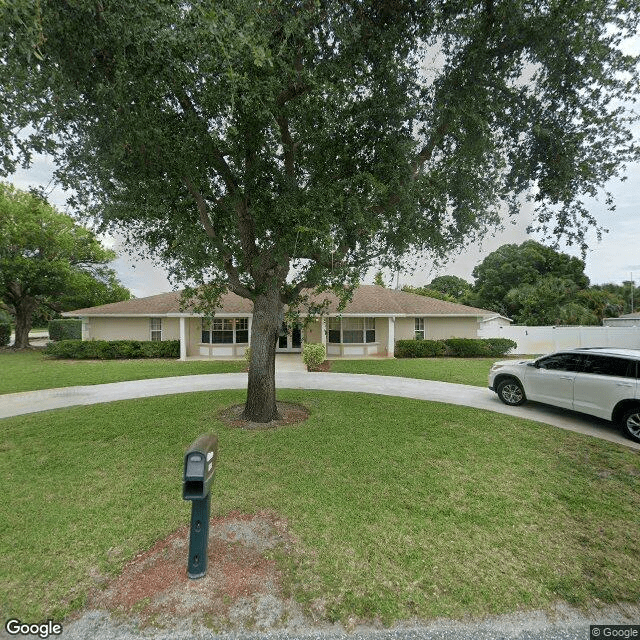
x=242, y=336
x=156, y=329
x=222, y=337
x=334, y=336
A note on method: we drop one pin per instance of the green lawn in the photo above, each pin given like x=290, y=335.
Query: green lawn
x=30, y=370
x=400, y=508
x=473, y=371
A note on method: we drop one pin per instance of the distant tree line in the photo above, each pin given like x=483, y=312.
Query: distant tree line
x=535, y=285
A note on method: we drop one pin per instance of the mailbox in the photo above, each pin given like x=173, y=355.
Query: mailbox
x=199, y=470
x=199, y=467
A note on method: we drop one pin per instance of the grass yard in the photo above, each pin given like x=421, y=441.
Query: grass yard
x=473, y=371
x=30, y=370
x=401, y=508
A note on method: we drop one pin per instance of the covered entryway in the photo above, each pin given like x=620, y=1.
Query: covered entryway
x=290, y=339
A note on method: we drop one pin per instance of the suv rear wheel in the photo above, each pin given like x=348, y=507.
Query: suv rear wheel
x=631, y=423
x=510, y=391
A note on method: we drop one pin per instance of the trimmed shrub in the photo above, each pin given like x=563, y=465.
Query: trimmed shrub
x=478, y=348
x=420, y=349
x=5, y=333
x=112, y=350
x=313, y=355
x=454, y=348
x=65, y=329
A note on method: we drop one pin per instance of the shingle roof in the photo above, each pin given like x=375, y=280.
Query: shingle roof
x=367, y=299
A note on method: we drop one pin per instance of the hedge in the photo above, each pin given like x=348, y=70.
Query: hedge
x=66, y=329
x=5, y=333
x=454, y=348
x=112, y=350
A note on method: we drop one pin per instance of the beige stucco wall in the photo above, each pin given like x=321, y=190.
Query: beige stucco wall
x=440, y=328
x=139, y=329
x=313, y=332
x=404, y=329
x=129, y=329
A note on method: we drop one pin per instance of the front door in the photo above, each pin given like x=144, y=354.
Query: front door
x=290, y=339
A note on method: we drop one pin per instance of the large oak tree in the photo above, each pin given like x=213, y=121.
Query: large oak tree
x=270, y=147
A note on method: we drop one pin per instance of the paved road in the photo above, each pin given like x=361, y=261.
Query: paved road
x=478, y=397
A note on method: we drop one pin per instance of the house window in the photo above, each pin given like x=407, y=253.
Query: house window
x=334, y=330
x=352, y=330
x=242, y=330
x=225, y=331
x=419, y=329
x=155, y=326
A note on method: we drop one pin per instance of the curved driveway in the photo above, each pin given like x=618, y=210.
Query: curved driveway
x=481, y=398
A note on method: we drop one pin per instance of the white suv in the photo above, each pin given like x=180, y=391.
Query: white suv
x=599, y=381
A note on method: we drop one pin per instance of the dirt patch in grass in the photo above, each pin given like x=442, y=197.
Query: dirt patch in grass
x=242, y=587
x=290, y=414
x=323, y=367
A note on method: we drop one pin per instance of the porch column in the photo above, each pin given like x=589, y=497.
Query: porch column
x=250, y=323
x=391, y=340
x=183, y=338
x=323, y=331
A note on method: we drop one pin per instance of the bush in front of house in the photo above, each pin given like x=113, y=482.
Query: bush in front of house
x=65, y=329
x=454, y=348
x=5, y=333
x=313, y=355
x=112, y=349
x=420, y=349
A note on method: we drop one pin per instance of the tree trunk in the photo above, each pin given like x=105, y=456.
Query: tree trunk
x=261, y=391
x=24, y=312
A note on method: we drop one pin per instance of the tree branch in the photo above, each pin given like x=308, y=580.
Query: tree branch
x=221, y=164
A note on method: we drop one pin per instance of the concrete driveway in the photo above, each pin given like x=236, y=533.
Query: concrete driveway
x=481, y=398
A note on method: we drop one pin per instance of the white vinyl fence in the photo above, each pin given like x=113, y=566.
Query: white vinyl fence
x=539, y=340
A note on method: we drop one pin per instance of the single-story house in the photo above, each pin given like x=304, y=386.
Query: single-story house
x=627, y=320
x=370, y=325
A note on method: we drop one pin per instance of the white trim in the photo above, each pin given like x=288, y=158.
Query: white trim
x=391, y=340
x=183, y=339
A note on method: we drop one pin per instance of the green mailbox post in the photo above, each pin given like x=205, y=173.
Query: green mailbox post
x=199, y=470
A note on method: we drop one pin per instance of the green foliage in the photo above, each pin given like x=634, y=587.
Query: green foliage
x=420, y=349
x=313, y=355
x=477, y=348
x=47, y=260
x=112, y=350
x=238, y=139
x=5, y=333
x=65, y=329
x=379, y=279
x=454, y=348
x=532, y=284
x=452, y=286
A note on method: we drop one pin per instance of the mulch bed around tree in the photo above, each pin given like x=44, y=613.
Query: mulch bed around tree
x=290, y=414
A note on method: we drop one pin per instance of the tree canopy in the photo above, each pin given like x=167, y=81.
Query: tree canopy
x=271, y=147
x=48, y=261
